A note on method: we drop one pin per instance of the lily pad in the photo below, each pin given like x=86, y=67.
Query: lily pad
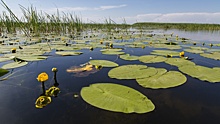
x=103, y=63
x=152, y=59
x=3, y=72
x=163, y=79
x=215, y=55
x=165, y=52
x=131, y=72
x=32, y=58
x=202, y=73
x=14, y=65
x=116, y=98
x=178, y=62
x=196, y=51
x=68, y=53
x=113, y=52
x=129, y=57
x=3, y=59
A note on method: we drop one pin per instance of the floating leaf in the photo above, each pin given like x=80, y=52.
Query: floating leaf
x=117, y=98
x=3, y=72
x=165, y=52
x=67, y=53
x=113, y=52
x=215, y=55
x=3, y=59
x=178, y=62
x=194, y=51
x=32, y=58
x=129, y=57
x=202, y=73
x=108, y=50
x=152, y=59
x=14, y=65
x=163, y=79
x=131, y=72
x=103, y=63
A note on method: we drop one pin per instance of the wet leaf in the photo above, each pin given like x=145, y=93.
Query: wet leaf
x=14, y=65
x=165, y=52
x=129, y=57
x=131, y=72
x=178, y=62
x=163, y=79
x=113, y=52
x=194, y=51
x=103, y=63
x=117, y=98
x=67, y=53
x=152, y=59
x=215, y=55
x=3, y=72
x=201, y=72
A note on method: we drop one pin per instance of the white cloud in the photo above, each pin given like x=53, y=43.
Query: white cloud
x=73, y=9
x=176, y=17
x=110, y=7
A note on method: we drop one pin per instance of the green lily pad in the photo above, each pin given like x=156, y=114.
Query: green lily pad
x=152, y=59
x=113, y=52
x=165, y=52
x=32, y=58
x=194, y=51
x=215, y=55
x=3, y=72
x=103, y=63
x=116, y=98
x=178, y=62
x=163, y=79
x=68, y=53
x=202, y=73
x=172, y=47
x=131, y=72
x=129, y=57
x=3, y=59
x=14, y=65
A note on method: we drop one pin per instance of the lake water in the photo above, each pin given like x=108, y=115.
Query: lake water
x=195, y=102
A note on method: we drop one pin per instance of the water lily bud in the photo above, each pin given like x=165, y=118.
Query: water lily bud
x=42, y=77
x=54, y=70
x=182, y=54
x=13, y=50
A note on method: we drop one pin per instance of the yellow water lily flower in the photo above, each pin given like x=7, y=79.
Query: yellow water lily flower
x=182, y=54
x=42, y=77
x=87, y=68
x=42, y=101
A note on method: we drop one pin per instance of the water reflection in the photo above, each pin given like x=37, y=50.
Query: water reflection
x=45, y=98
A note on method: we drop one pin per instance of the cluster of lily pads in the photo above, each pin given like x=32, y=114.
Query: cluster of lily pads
x=114, y=97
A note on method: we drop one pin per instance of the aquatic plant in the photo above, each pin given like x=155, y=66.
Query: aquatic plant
x=117, y=98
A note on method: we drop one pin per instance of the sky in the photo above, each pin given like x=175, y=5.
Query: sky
x=132, y=11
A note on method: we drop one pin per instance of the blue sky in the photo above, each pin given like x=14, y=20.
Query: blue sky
x=188, y=11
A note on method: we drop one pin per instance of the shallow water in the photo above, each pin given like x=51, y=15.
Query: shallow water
x=193, y=102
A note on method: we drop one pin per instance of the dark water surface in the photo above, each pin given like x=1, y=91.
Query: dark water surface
x=195, y=102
